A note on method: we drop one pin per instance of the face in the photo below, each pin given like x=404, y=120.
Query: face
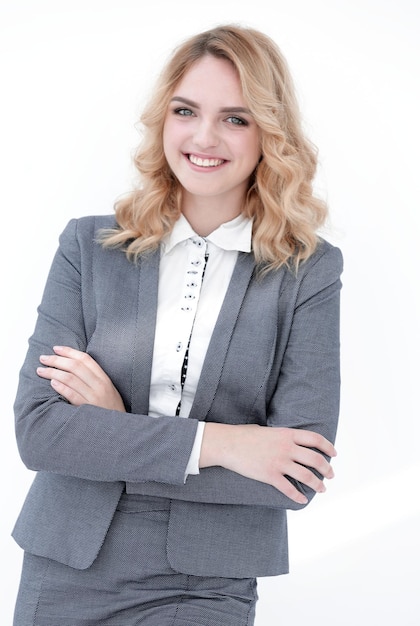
x=210, y=140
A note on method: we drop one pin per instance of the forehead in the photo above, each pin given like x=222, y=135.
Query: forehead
x=211, y=76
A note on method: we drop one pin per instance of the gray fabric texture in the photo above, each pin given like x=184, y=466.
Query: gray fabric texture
x=131, y=583
x=273, y=360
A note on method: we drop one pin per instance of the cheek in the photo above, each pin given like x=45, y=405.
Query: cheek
x=251, y=147
x=257, y=151
x=254, y=154
x=172, y=139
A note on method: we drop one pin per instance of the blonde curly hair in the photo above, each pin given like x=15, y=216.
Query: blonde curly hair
x=280, y=200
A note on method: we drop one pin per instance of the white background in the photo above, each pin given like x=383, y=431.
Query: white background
x=73, y=80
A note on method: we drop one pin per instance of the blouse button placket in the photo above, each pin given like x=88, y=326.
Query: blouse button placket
x=196, y=263
x=195, y=268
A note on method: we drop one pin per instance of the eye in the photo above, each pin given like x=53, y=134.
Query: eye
x=237, y=121
x=183, y=111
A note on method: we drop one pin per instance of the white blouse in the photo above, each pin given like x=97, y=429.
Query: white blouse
x=193, y=279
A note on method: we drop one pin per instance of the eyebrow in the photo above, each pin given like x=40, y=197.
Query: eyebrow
x=191, y=103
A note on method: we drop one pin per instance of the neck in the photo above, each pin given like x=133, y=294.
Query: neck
x=206, y=216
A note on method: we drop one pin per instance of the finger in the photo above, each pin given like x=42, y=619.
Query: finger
x=285, y=486
x=310, y=439
x=315, y=460
x=73, y=353
x=306, y=476
x=78, y=367
x=72, y=360
x=66, y=392
x=83, y=359
x=61, y=363
x=78, y=356
x=73, y=384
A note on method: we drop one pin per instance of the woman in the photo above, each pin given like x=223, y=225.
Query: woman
x=208, y=296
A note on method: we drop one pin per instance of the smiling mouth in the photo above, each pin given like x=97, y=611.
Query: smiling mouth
x=205, y=162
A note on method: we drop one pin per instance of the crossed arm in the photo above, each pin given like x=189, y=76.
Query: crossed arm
x=268, y=455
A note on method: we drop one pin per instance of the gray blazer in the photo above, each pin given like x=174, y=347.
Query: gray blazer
x=273, y=360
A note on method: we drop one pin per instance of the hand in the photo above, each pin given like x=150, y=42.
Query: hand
x=269, y=455
x=79, y=379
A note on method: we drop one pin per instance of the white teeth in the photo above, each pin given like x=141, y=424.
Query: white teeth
x=205, y=162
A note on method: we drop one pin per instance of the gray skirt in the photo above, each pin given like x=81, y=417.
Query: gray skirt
x=131, y=582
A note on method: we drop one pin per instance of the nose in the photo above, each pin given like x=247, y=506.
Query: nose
x=206, y=135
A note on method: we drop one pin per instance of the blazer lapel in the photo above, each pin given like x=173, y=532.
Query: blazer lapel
x=219, y=343
x=145, y=331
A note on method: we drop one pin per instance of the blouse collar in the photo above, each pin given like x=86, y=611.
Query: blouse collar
x=233, y=235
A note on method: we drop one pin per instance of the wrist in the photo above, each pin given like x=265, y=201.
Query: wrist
x=216, y=443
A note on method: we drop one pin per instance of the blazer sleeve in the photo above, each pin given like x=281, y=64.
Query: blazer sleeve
x=306, y=394
x=87, y=441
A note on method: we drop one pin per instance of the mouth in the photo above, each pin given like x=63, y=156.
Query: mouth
x=195, y=160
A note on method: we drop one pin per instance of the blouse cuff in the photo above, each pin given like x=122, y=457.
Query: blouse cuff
x=193, y=463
